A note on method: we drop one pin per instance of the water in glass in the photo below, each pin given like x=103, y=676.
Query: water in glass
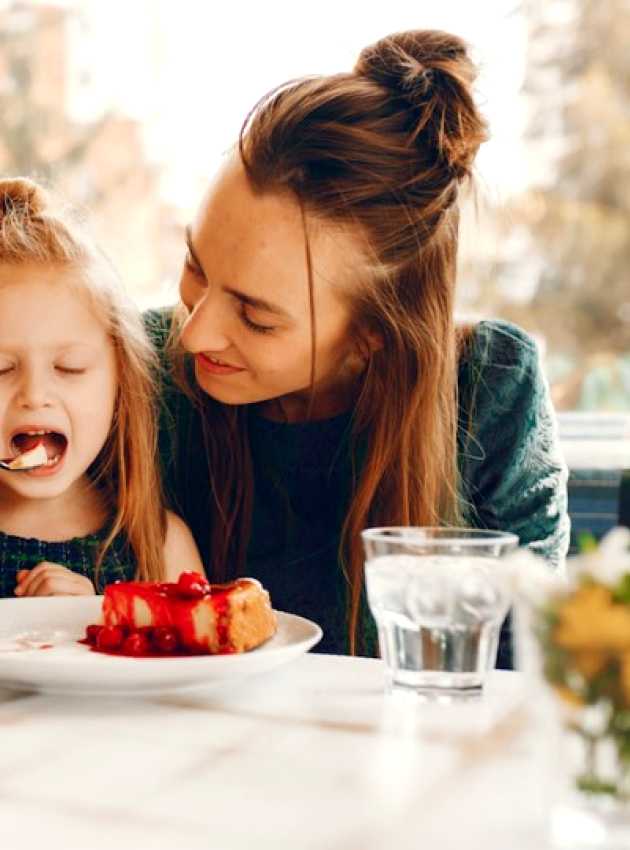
x=439, y=616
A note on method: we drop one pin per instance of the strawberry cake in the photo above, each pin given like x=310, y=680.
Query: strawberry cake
x=189, y=617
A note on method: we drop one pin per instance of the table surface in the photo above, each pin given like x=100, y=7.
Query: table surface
x=312, y=756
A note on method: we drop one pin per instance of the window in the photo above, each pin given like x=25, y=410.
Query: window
x=128, y=114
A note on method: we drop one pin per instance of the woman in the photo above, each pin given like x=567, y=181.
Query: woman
x=330, y=389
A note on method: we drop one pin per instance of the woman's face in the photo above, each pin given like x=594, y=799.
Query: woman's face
x=245, y=285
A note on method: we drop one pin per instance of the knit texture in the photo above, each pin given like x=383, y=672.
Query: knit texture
x=78, y=554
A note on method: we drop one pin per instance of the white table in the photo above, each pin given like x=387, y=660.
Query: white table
x=310, y=757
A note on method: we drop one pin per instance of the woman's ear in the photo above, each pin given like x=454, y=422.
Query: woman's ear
x=368, y=342
x=374, y=341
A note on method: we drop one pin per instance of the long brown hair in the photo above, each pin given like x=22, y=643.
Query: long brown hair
x=383, y=150
x=34, y=228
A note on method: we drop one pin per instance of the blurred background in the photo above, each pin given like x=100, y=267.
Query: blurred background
x=127, y=107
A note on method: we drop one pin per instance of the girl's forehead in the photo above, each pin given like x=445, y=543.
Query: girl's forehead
x=55, y=277
x=49, y=303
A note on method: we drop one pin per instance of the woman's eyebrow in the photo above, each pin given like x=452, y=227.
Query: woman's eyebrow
x=250, y=300
x=257, y=303
x=191, y=250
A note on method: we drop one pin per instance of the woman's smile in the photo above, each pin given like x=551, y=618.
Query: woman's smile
x=215, y=365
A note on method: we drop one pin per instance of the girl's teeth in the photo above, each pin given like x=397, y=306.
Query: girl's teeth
x=53, y=460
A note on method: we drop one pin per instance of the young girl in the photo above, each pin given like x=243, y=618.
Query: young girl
x=333, y=389
x=75, y=376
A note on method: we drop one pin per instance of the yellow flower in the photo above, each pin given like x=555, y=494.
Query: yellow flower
x=589, y=662
x=625, y=677
x=568, y=695
x=589, y=620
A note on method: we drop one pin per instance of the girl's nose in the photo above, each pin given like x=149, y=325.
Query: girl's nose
x=205, y=328
x=33, y=391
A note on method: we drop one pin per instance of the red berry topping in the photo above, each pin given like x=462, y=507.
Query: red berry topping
x=109, y=638
x=91, y=634
x=165, y=639
x=136, y=644
x=192, y=585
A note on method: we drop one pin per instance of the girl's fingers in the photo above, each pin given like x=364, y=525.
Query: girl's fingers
x=48, y=579
x=26, y=578
x=60, y=585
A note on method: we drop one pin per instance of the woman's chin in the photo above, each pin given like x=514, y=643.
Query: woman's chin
x=219, y=389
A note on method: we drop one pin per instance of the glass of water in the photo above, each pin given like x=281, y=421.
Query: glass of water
x=439, y=597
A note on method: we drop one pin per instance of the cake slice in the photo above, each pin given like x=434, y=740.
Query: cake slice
x=189, y=617
x=37, y=456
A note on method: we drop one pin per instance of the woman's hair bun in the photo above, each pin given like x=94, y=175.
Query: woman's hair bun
x=21, y=195
x=432, y=73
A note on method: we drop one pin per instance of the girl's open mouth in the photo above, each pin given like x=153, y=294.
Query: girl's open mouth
x=54, y=442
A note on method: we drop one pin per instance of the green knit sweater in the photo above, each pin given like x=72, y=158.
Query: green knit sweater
x=512, y=473
x=78, y=554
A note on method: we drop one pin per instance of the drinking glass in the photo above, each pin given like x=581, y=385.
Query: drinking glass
x=439, y=597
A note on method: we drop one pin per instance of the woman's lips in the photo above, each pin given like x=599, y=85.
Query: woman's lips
x=213, y=368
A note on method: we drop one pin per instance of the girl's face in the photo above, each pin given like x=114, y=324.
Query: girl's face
x=57, y=375
x=245, y=284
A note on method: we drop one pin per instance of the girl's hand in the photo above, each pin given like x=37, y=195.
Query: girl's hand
x=48, y=579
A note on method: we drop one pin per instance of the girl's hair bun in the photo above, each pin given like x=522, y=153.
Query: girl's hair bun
x=22, y=196
x=432, y=73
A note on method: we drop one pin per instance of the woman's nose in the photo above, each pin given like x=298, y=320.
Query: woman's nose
x=205, y=328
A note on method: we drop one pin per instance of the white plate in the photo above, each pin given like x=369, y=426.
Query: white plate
x=70, y=667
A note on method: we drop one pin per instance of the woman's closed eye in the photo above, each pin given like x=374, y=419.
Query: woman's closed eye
x=254, y=326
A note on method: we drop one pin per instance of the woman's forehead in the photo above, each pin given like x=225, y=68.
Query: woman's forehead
x=249, y=234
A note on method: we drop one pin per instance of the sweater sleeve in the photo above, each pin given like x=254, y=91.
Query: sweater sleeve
x=513, y=474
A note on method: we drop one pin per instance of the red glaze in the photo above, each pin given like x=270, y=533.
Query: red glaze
x=91, y=634
x=192, y=586
x=166, y=640
x=136, y=644
x=110, y=637
x=171, y=606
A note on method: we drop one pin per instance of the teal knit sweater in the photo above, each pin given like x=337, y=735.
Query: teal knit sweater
x=512, y=472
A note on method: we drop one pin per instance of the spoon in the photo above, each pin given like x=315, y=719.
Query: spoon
x=32, y=459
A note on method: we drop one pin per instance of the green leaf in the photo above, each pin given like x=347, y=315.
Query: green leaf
x=622, y=592
x=586, y=542
x=593, y=785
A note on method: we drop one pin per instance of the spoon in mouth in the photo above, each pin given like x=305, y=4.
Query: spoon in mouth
x=32, y=459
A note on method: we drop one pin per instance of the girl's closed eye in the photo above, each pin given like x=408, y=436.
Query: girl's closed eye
x=70, y=370
x=6, y=366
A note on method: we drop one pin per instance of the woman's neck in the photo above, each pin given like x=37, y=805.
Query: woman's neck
x=79, y=511
x=325, y=402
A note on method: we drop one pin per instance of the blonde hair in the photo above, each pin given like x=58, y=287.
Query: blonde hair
x=36, y=229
